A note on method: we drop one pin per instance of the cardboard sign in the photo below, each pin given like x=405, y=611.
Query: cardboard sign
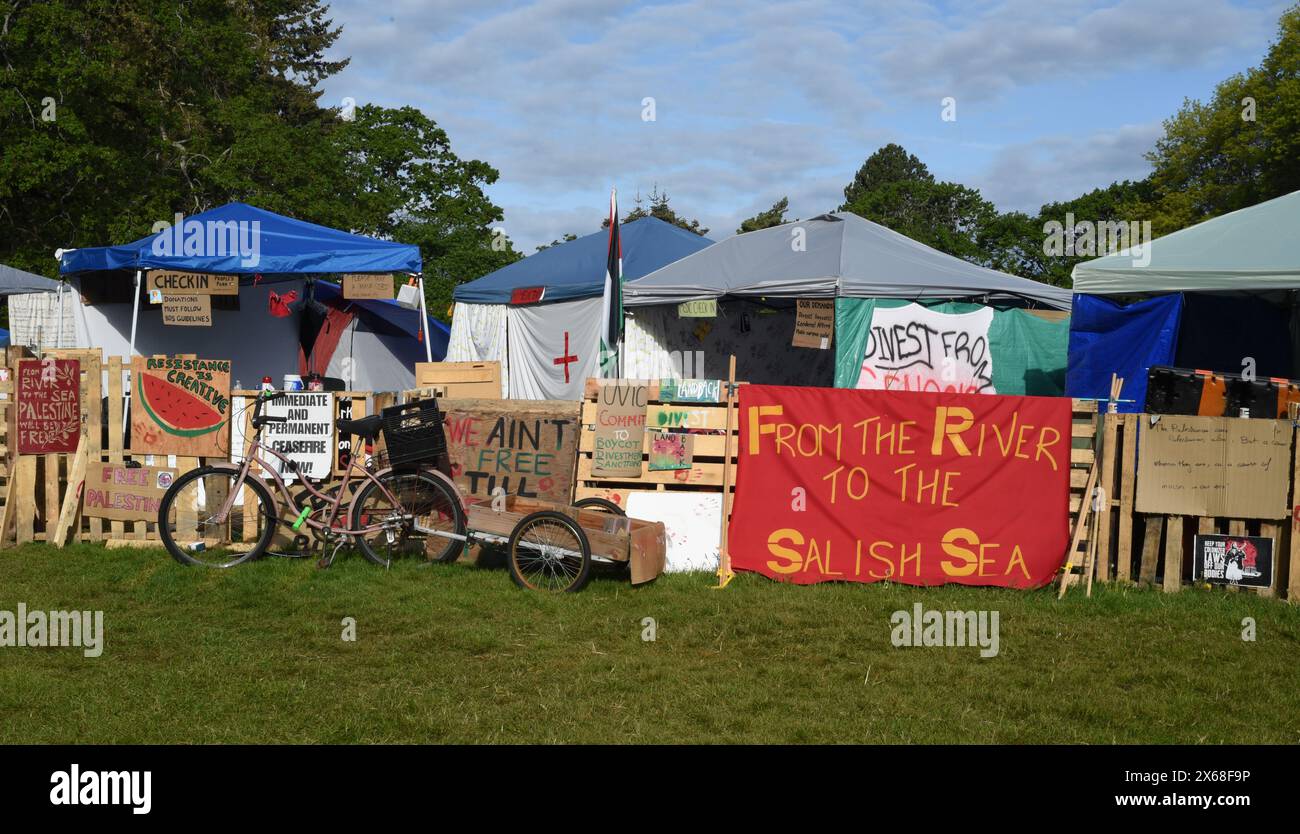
x=180, y=406
x=187, y=310
x=49, y=406
x=122, y=493
x=690, y=390
x=670, y=451
x=307, y=439
x=368, y=286
x=916, y=488
x=706, y=308
x=814, y=323
x=620, y=430
x=1234, y=560
x=526, y=447
x=912, y=348
x=1214, y=466
x=176, y=282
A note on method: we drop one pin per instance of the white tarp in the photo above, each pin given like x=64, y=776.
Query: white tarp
x=913, y=348
x=553, y=348
x=478, y=334
x=692, y=522
x=44, y=319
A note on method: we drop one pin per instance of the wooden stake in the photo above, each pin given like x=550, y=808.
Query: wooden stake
x=1085, y=508
x=725, y=574
x=70, y=514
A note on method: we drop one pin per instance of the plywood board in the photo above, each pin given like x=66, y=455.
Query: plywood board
x=189, y=410
x=1214, y=466
x=527, y=447
x=465, y=380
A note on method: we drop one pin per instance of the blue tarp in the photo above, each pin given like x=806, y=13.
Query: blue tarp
x=283, y=246
x=1107, y=337
x=392, y=315
x=4, y=337
x=576, y=269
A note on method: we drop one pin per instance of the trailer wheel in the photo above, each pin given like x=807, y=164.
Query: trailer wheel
x=549, y=552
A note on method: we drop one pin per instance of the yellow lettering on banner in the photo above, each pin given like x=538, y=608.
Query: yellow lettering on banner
x=951, y=428
x=863, y=424
x=913, y=559
x=1017, y=558
x=889, y=566
x=756, y=413
x=779, y=550
x=947, y=488
x=903, y=438
x=784, y=432
x=1043, y=447
x=950, y=546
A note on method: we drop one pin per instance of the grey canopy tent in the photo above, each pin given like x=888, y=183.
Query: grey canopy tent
x=30, y=307
x=864, y=267
x=834, y=255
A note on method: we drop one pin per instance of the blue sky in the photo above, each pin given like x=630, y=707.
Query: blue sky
x=758, y=100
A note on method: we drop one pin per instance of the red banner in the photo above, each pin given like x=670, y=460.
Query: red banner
x=49, y=406
x=919, y=488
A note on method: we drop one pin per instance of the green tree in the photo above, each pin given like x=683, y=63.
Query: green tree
x=889, y=164
x=774, y=216
x=570, y=236
x=1237, y=149
x=659, y=208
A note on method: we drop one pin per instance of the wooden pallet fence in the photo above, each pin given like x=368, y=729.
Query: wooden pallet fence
x=705, y=474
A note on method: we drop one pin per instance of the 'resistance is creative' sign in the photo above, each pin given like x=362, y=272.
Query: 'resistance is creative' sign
x=918, y=488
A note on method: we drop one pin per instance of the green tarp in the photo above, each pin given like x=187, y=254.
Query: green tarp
x=1029, y=352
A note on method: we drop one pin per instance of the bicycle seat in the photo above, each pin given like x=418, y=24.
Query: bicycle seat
x=367, y=427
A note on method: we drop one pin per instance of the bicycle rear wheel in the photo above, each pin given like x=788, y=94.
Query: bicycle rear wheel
x=188, y=519
x=425, y=506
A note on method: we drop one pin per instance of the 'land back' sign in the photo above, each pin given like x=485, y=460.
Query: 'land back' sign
x=180, y=406
x=916, y=488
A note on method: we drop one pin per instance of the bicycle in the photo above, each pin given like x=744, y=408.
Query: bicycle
x=205, y=518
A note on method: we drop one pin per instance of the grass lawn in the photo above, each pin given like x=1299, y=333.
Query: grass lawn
x=458, y=654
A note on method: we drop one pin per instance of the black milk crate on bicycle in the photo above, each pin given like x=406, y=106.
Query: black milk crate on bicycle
x=413, y=433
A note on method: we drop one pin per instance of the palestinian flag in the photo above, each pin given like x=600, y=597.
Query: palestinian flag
x=611, y=332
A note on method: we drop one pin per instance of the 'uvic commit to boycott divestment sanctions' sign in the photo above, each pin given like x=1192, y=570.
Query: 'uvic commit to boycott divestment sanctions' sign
x=920, y=488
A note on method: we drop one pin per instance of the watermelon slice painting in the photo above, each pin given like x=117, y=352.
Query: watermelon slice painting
x=180, y=406
x=175, y=411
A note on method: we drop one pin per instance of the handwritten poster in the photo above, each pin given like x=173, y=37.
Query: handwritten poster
x=1214, y=466
x=368, y=286
x=308, y=437
x=690, y=390
x=918, y=488
x=525, y=447
x=172, y=281
x=122, y=493
x=670, y=451
x=620, y=430
x=814, y=323
x=180, y=406
x=912, y=348
x=187, y=310
x=49, y=406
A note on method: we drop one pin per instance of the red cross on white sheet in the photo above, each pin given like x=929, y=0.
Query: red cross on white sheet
x=566, y=358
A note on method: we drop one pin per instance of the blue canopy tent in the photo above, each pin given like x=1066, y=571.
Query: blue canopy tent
x=239, y=239
x=548, y=345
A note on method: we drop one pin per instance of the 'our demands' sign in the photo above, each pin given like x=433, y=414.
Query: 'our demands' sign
x=910, y=487
x=911, y=348
x=526, y=447
x=368, y=286
x=122, y=493
x=180, y=406
x=814, y=323
x=174, y=282
x=1214, y=466
x=620, y=430
x=187, y=310
x=49, y=406
x=307, y=439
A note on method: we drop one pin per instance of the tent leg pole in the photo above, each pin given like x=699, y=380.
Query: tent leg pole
x=135, y=317
x=424, y=324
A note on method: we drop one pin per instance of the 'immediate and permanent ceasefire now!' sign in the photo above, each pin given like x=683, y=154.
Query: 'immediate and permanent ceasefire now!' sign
x=919, y=488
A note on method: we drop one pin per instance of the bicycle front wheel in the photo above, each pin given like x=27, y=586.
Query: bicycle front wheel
x=200, y=523
x=424, y=506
